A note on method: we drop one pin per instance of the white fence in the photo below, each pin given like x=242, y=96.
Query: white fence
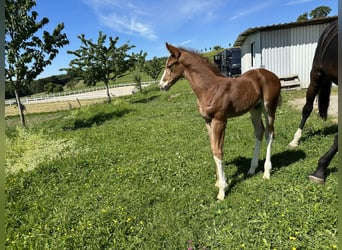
x=89, y=93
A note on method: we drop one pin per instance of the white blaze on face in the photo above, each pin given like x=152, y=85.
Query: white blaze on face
x=162, y=83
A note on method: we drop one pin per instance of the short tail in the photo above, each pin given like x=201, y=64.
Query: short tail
x=324, y=99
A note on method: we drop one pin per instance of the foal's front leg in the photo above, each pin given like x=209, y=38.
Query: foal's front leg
x=216, y=131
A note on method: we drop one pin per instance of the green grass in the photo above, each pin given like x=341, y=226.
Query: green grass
x=138, y=174
x=210, y=54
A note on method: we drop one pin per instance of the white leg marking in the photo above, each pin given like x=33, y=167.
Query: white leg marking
x=254, y=162
x=221, y=179
x=296, y=138
x=268, y=164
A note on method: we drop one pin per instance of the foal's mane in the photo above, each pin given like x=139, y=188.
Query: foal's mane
x=205, y=61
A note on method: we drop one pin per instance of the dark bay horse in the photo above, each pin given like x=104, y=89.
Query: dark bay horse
x=219, y=98
x=323, y=74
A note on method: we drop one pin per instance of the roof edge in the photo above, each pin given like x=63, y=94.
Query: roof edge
x=242, y=36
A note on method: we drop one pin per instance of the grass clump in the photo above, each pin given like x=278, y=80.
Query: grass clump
x=95, y=114
x=28, y=150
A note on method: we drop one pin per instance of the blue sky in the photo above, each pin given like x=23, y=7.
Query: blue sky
x=148, y=24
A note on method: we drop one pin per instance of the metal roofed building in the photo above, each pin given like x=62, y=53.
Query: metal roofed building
x=285, y=49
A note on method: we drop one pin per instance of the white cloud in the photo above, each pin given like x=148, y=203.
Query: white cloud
x=122, y=17
x=198, y=8
x=145, y=18
x=185, y=42
x=127, y=25
x=251, y=9
x=295, y=2
x=98, y=4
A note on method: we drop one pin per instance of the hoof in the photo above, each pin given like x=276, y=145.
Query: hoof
x=250, y=172
x=316, y=179
x=266, y=176
x=220, y=196
x=292, y=145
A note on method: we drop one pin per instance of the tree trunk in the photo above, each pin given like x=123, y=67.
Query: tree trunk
x=108, y=94
x=137, y=79
x=20, y=108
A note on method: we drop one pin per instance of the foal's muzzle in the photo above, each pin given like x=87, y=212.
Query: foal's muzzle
x=164, y=87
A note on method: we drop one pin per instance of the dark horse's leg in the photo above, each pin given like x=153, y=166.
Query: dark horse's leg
x=319, y=174
x=317, y=80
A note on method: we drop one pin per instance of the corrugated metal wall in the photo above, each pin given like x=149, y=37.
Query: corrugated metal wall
x=287, y=51
x=303, y=45
x=276, y=51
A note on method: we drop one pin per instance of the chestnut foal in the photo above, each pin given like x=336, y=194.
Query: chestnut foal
x=219, y=98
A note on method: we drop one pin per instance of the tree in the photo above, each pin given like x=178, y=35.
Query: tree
x=27, y=54
x=217, y=48
x=154, y=67
x=138, y=68
x=321, y=11
x=96, y=62
x=303, y=17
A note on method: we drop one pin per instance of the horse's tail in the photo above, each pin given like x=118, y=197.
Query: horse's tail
x=280, y=101
x=324, y=99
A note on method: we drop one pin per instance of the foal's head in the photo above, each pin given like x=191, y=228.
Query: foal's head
x=180, y=60
x=173, y=69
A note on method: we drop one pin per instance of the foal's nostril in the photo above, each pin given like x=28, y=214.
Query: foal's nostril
x=164, y=87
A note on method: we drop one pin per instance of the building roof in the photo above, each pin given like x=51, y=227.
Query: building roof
x=243, y=36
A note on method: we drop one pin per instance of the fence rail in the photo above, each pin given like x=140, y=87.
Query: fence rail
x=74, y=94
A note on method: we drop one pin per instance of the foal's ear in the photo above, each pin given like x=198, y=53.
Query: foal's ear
x=173, y=50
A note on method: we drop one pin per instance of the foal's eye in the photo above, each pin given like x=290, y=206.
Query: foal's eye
x=170, y=67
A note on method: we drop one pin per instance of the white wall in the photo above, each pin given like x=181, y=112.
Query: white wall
x=246, y=58
x=287, y=51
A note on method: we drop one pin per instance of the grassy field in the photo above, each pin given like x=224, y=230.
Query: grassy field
x=138, y=174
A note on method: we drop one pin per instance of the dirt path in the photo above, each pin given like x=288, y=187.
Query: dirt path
x=98, y=94
x=67, y=102
x=333, y=107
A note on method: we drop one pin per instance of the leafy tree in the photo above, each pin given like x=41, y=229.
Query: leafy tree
x=154, y=67
x=27, y=54
x=217, y=47
x=38, y=85
x=303, y=17
x=9, y=90
x=138, y=68
x=96, y=62
x=321, y=11
x=53, y=88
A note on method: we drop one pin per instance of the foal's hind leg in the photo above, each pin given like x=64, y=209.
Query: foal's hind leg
x=269, y=110
x=258, y=132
